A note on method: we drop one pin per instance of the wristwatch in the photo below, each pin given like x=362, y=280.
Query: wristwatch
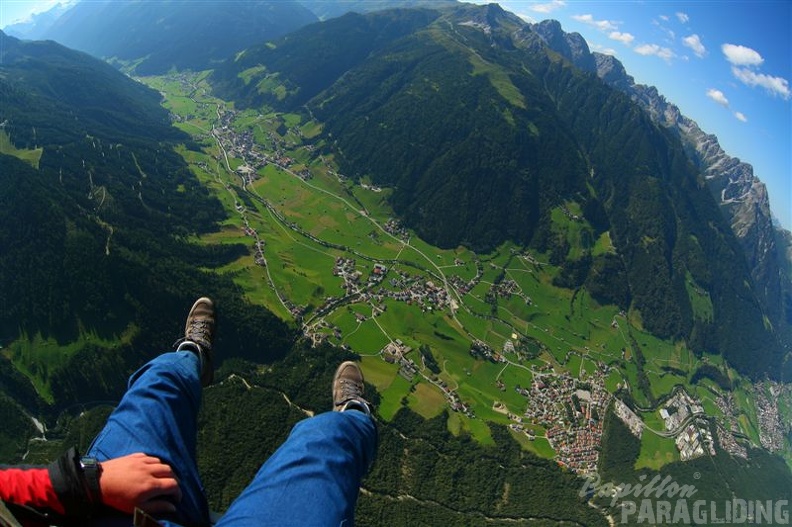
x=91, y=470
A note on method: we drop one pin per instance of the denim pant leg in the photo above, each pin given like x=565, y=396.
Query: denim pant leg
x=158, y=416
x=313, y=479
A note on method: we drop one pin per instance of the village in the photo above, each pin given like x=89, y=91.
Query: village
x=771, y=429
x=402, y=286
x=570, y=410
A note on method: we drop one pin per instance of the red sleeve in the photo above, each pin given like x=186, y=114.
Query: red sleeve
x=31, y=487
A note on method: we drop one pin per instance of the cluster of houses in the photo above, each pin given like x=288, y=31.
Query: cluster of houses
x=462, y=286
x=481, y=350
x=403, y=286
x=729, y=427
x=395, y=228
x=629, y=418
x=373, y=188
x=346, y=269
x=394, y=353
x=571, y=411
x=517, y=427
x=771, y=431
x=415, y=290
x=503, y=289
x=242, y=145
x=729, y=443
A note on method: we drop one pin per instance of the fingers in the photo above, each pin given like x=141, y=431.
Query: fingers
x=155, y=466
x=162, y=487
x=158, y=507
x=161, y=470
x=139, y=480
x=153, y=502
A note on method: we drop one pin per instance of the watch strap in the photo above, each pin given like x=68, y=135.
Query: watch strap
x=92, y=470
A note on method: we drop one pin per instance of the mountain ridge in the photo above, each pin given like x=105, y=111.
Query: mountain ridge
x=460, y=182
x=741, y=195
x=99, y=227
x=153, y=37
x=599, y=226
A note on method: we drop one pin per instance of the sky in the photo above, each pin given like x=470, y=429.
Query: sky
x=726, y=64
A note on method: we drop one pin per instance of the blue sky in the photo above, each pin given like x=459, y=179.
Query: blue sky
x=726, y=64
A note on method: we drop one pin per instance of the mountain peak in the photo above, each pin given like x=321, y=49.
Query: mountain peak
x=572, y=46
x=741, y=196
x=489, y=18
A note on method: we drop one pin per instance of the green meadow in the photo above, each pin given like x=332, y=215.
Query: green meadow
x=30, y=156
x=36, y=356
x=656, y=451
x=307, y=215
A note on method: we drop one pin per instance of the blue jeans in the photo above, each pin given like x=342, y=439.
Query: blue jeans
x=312, y=479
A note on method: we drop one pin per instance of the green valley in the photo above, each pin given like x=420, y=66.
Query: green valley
x=491, y=337
x=534, y=277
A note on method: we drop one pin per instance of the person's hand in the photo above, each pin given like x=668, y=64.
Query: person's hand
x=141, y=481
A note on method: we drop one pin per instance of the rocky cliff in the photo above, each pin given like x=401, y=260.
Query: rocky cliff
x=741, y=195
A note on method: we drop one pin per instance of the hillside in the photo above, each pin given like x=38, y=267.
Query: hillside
x=741, y=195
x=325, y=10
x=477, y=115
x=98, y=221
x=532, y=274
x=153, y=37
x=471, y=342
x=111, y=237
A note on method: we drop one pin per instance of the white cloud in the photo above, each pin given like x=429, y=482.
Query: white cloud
x=664, y=17
x=602, y=25
x=775, y=85
x=682, y=17
x=670, y=35
x=694, y=43
x=624, y=38
x=548, y=7
x=653, y=49
x=718, y=97
x=741, y=56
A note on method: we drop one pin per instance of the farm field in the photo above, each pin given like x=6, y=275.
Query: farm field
x=442, y=331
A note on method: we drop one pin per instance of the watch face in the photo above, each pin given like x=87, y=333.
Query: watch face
x=88, y=462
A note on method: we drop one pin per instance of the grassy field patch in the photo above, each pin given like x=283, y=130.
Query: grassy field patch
x=539, y=446
x=427, y=400
x=656, y=452
x=30, y=156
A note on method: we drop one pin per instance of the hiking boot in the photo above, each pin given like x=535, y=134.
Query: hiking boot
x=198, y=335
x=348, y=389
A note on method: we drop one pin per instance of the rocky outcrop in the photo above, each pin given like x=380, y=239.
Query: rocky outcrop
x=741, y=195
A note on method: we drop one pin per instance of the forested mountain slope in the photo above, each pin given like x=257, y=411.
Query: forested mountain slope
x=483, y=135
x=741, y=195
x=96, y=209
x=154, y=37
x=325, y=10
x=481, y=130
